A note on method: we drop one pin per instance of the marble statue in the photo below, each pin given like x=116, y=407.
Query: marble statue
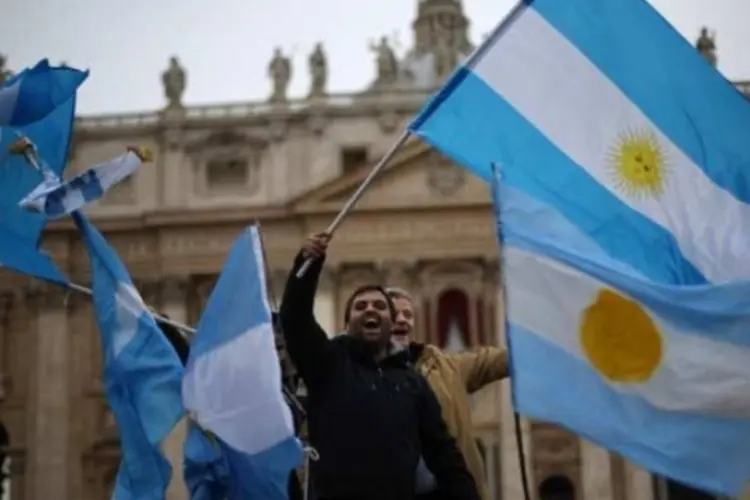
x=5, y=73
x=280, y=71
x=387, y=64
x=174, y=82
x=318, y=71
x=706, y=45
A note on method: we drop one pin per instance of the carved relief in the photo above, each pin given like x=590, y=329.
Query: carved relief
x=444, y=177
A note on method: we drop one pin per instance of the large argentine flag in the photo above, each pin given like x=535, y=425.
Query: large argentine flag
x=633, y=138
x=657, y=373
x=232, y=384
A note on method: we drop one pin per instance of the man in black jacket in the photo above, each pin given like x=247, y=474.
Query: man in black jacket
x=369, y=414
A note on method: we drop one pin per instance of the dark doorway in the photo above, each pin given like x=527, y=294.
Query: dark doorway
x=557, y=488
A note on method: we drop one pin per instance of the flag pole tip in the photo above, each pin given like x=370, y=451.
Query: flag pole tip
x=143, y=153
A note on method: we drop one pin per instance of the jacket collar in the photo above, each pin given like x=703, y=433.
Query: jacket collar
x=397, y=357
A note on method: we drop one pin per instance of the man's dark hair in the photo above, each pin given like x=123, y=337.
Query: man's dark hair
x=175, y=337
x=370, y=287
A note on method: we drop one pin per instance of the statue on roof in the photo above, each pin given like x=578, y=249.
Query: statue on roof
x=5, y=73
x=174, y=80
x=280, y=71
x=706, y=45
x=318, y=71
x=387, y=64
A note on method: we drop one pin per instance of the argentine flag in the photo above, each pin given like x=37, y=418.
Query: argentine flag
x=232, y=385
x=56, y=199
x=657, y=373
x=634, y=139
x=34, y=93
x=142, y=372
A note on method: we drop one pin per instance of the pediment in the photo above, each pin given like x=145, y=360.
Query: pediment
x=418, y=177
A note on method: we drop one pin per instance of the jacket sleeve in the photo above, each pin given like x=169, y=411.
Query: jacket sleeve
x=306, y=342
x=481, y=366
x=440, y=452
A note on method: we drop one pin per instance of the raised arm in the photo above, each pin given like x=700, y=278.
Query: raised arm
x=306, y=342
x=482, y=366
x=440, y=452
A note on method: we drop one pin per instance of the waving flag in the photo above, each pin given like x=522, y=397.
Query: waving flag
x=232, y=384
x=142, y=372
x=636, y=140
x=657, y=373
x=34, y=93
x=56, y=200
x=20, y=229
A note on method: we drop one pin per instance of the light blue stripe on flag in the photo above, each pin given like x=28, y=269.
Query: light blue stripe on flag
x=232, y=385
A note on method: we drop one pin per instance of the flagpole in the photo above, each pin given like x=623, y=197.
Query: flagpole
x=354, y=198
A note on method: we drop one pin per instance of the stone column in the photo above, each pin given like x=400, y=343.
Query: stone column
x=596, y=475
x=49, y=429
x=174, y=304
x=174, y=298
x=638, y=483
x=325, y=302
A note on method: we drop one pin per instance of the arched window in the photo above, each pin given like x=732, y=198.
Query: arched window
x=453, y=321
x=557, y=488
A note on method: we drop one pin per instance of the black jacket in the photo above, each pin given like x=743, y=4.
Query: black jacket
x=369, y=422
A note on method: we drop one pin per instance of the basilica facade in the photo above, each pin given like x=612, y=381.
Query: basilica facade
x=290, y=164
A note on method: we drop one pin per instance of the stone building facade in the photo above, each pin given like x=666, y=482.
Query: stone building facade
x=425, y=225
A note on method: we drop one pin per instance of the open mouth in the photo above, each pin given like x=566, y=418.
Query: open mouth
x=400, y=331
x=372, y=322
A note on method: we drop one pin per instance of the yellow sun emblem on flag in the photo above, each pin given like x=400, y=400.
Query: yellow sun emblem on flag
x=638, y=165
x=620, y=339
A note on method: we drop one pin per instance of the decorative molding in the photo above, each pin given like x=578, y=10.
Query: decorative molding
x=388, y=120
x=444, y=177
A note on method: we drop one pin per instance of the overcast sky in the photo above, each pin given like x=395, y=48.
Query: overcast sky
x=225, y=45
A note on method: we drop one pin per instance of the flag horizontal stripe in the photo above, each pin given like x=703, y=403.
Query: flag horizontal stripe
x=690, y=102
x=696, y=373
x=576, y=106
x=243, y=366
x=682, y=446
x=476, y=127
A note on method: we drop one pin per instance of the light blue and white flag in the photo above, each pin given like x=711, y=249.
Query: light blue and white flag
x=35, y=92
x=636, y=140
x=657, y=373
x=20, y=230
x=56, y=199
x=232, y=384
x=142, y=372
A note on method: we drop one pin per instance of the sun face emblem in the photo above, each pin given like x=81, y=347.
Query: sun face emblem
x=638, y=165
